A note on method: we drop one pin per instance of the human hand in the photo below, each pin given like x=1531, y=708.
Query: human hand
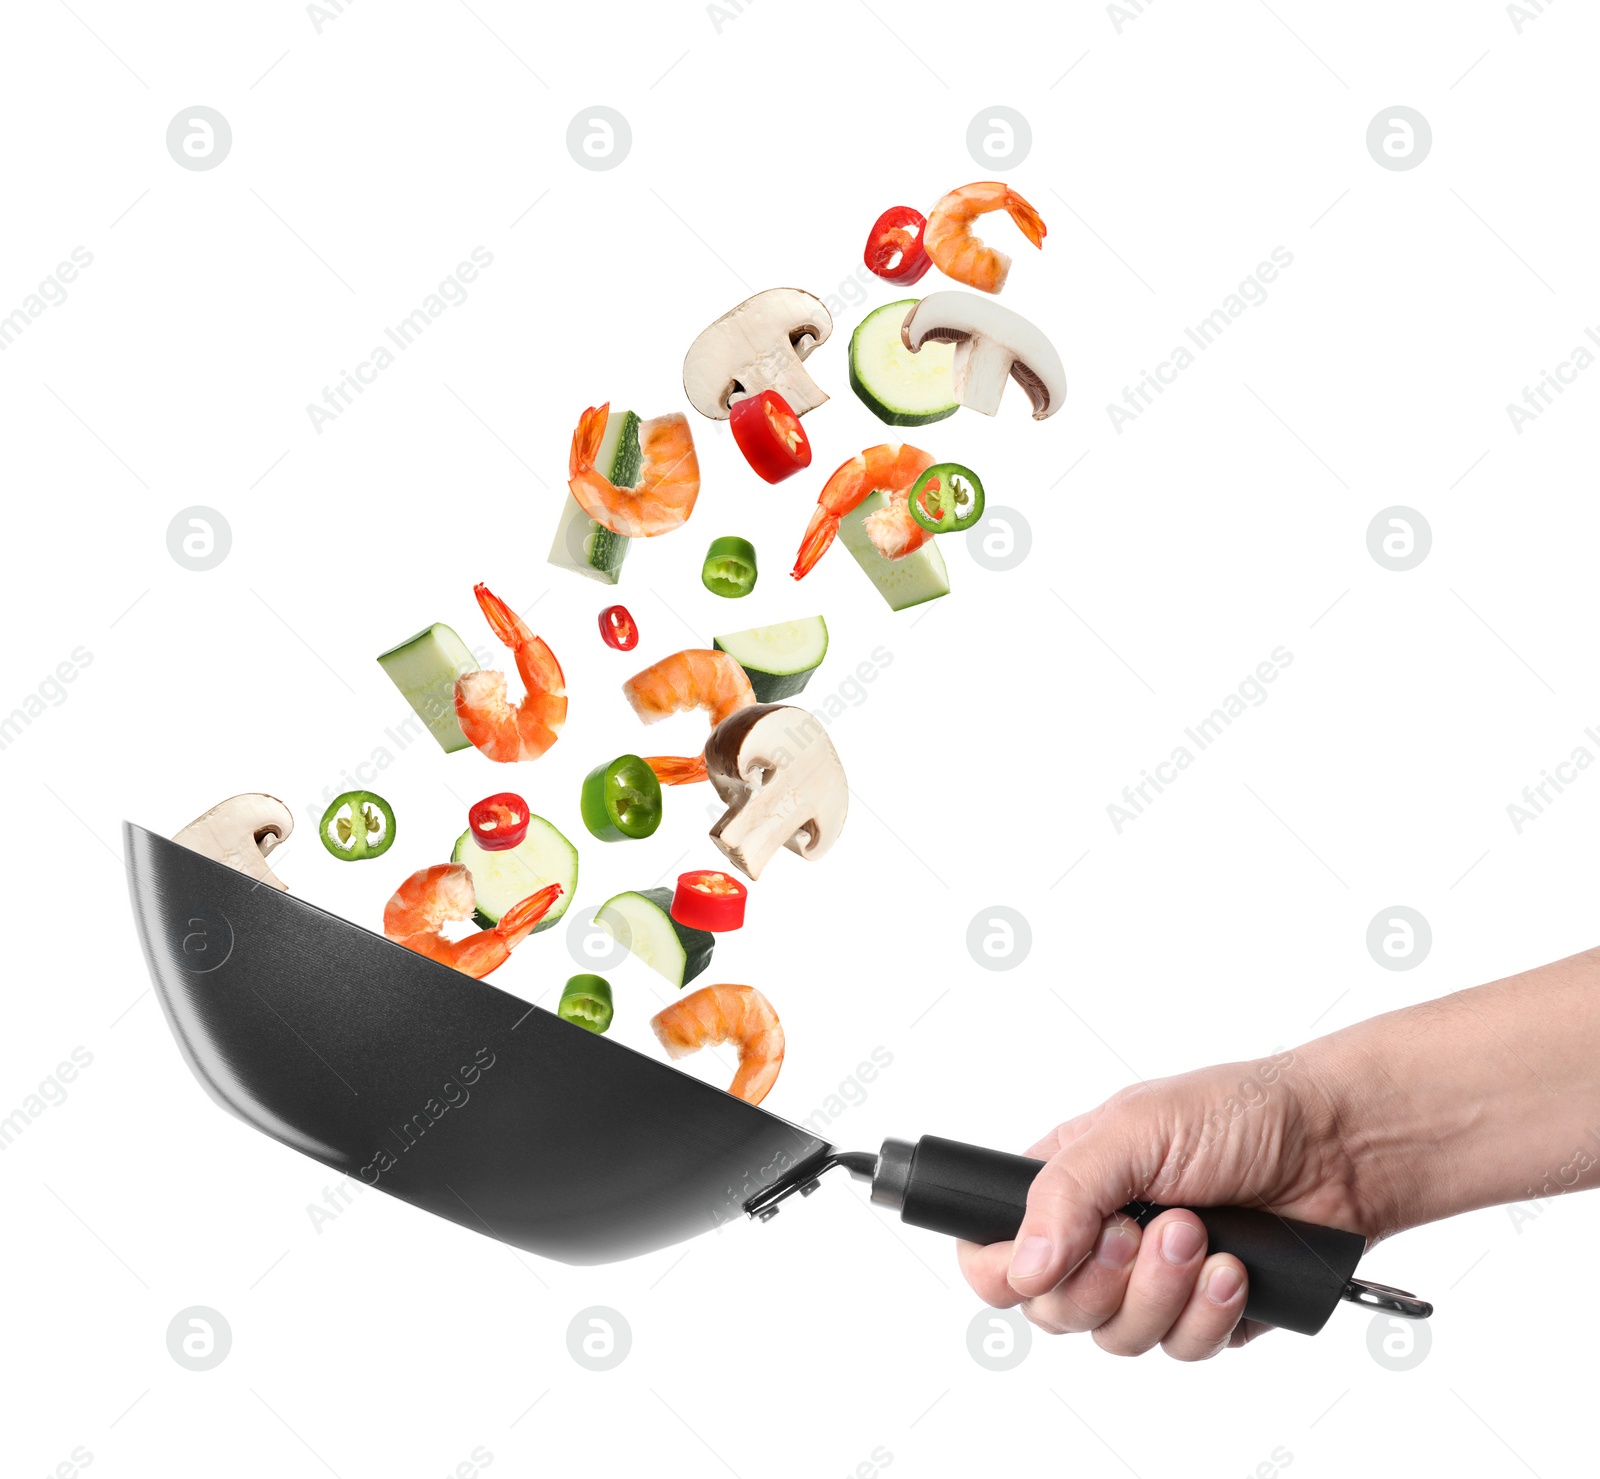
x=1479, y=1098
x=1243, y=1134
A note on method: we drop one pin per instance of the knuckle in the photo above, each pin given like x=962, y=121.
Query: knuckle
x=1195, y=1338
x=993, y=1290
x=1048, y=1145
x=1186, y=1350
x=972, y=1257
x=983, y=1283
x=1129, y=1097
x=1116, y=1341
x=1038, y=1314
x=1054, y=1184
x=1124, y=1096
x=986, y=1276
x=1090, y=1300
x=1058, y=1310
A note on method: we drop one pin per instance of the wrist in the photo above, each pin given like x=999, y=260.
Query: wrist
x=1393, y=1130
x=1483, y=1097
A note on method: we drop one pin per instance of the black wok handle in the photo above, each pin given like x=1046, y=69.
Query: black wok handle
x=1298, y=1271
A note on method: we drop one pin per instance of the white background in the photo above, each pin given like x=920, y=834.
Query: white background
x=1169, y=157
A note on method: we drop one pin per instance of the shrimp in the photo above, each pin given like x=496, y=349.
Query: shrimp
x=669, y=476
x=432, y=897
x=733, y=1014
x=697, y=678
x=487, y=718
x=957, y=253
x=892, y=467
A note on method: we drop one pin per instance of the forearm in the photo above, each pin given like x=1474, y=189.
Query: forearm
x=1490, y=1095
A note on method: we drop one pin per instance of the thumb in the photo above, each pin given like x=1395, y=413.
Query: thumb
x=1085, y=1182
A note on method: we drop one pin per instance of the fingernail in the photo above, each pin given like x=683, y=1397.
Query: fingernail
x=1222, y=1284
x=1116, y=1247
x=1030, y=1257
x=1180, y=1242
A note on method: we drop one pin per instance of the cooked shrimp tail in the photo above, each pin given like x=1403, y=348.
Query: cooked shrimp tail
x=677, y=770
x=819, y=535
x=510, y=628
x=586, y=439
x=518, y=921
x=1028, y=220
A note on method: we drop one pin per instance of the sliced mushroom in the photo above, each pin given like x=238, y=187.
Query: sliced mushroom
x=758, y=346
x=240, y=832
x=780, y=776
x=992, y=342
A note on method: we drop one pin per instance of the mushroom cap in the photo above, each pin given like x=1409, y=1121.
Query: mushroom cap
x=950, y=317
x=758, y=346
x=240, y=832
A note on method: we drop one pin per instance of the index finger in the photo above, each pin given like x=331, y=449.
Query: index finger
x=984, y=1266
x=1059, y=1138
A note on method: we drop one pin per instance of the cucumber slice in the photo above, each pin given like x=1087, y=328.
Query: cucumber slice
x=501, y=879
x=643, y=922
x=425, y=668
x=909, y=581
x=585, y=547
x=582, y=544
x=778, y=660
x=897, y=386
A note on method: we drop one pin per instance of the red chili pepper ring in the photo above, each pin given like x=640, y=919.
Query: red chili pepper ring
x=499, y=822
x=894, y=249
x=708, y=899
x=770, y=435
x=618, y=629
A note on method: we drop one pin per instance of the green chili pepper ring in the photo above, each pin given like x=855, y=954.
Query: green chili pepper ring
x=954, y=509
x=586, y=1002
x=367, y=832
x=730, y=567
x=621, y=800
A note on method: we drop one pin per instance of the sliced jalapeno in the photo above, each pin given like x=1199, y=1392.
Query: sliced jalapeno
x=586, y=1002
x=357, y=825
x=947, y=498
x=730, y=567
x=621, y=800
